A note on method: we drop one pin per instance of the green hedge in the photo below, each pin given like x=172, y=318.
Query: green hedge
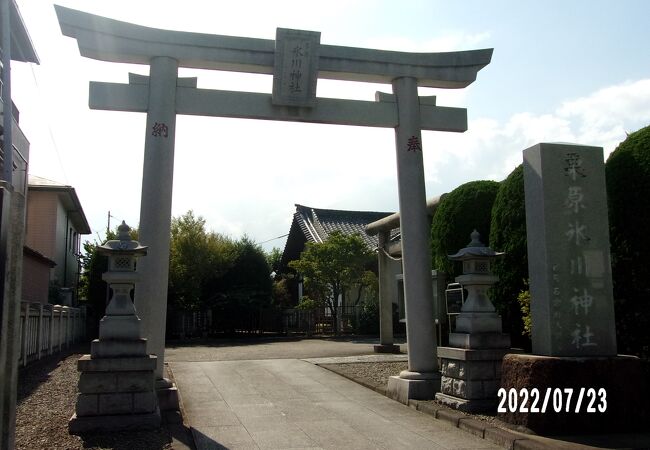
x=508, y=234
x=628, y=191
x=464, y=209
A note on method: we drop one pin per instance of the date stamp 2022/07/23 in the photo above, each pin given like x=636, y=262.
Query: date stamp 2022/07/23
x=568, y=400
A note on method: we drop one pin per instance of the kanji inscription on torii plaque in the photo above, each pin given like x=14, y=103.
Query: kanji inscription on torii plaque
x=295, y=68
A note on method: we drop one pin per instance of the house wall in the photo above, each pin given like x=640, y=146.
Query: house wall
x=36, y=279
x=51, y=232
x=61, y=242
x=41, y=214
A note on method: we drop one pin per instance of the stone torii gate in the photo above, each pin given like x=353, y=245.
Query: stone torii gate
x=296, y=59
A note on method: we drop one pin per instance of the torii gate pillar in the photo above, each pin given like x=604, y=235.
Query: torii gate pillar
x=422, y=379
x=156, y=204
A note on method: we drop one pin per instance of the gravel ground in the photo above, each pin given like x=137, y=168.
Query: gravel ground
x=47, y=392
x=377, y=373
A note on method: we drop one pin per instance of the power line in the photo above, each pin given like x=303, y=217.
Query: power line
x=272, y=239
x=49, y=126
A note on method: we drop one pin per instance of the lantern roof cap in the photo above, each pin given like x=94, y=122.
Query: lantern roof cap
x=123, y=245
x=474, y=249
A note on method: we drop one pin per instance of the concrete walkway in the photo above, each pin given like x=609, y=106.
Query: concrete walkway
x=270, y=348
x=290, y=403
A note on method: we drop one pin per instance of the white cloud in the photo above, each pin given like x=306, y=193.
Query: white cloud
x=607, y=114
x=490, y=149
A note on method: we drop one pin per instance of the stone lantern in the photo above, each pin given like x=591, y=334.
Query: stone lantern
x=120, y=327
x=471, y=365
x=478, y=325
x=116, y=386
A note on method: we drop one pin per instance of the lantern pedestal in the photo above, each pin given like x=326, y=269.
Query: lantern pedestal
x=117, y=382
x=116, y=394
x=471, y=365
x=479, y=340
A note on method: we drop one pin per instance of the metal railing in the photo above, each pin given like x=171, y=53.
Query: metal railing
x=48, y=329
x=321, y=320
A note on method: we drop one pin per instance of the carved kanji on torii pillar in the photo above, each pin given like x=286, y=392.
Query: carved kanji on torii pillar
x=296, y=59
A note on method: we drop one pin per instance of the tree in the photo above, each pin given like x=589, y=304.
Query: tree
x=197, y=260
x=508, y=234
x=628, y=189
x=274, y=258
x=239, y=296
x=250, y=276
x=280, y=295
x=332, y=267
x=466, y=208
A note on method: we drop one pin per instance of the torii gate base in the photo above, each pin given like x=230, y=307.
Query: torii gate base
x=296, y=59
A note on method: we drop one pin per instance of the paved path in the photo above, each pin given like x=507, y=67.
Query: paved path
x=268, y=393
x=290, y=403
x=296, y=348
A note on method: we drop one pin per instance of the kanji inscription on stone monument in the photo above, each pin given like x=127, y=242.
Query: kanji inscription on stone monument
x=568, y=251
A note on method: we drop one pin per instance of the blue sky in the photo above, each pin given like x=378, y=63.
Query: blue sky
x=575, y=71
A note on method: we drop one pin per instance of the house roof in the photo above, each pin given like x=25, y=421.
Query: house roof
x=28, y=251
x=68, y=197
x=315, y=225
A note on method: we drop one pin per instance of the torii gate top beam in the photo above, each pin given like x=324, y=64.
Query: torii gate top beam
x=115, y=41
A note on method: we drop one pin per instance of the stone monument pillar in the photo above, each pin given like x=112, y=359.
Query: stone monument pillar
x=116, y=386
x=572, y=304
x=471, y=365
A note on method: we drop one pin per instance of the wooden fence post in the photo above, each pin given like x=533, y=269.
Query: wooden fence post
x=60, y=328
x=67, y=327
x=50, y=344
x=39, y=335
x=23, y=332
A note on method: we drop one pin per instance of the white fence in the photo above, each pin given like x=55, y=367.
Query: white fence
x=48, y=329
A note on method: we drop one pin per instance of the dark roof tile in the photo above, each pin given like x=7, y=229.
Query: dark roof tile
x=315, y=225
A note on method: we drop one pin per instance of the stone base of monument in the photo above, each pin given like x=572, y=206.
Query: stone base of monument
x=118, y=422
x=470, y=406
x=403, y=389
x=619, y=402
x=167, y=394
x=387, y=348
x=116, y=394
x=470, y=377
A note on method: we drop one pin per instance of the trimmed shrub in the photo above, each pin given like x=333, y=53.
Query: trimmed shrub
x=628, y=192
x=466, y=208
x=508, y=234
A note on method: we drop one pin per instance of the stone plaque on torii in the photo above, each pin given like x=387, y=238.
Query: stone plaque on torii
x=296, y=59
